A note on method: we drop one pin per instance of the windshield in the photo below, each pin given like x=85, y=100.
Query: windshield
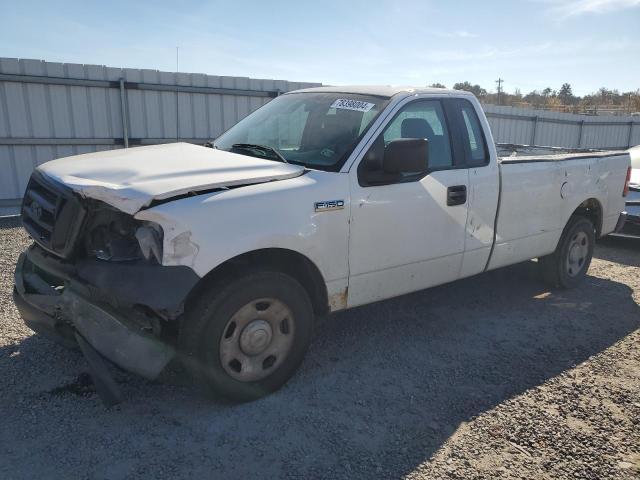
x=317, y=130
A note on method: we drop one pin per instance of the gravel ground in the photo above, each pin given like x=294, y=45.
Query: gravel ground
x=490, y=377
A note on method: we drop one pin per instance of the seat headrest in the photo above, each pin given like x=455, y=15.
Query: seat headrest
x=416, y=128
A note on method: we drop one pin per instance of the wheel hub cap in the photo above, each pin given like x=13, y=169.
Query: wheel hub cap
x=255, y=337
x=577, y=254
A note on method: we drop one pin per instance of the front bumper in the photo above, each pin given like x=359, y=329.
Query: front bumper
x=55, y=301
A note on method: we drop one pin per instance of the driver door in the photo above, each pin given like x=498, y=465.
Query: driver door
x=408, y=235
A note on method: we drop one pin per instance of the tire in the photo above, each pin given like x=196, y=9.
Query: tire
x=568, y=265
x=244, y=339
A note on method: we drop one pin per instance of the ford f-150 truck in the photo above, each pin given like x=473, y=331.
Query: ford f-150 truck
x=324, y=199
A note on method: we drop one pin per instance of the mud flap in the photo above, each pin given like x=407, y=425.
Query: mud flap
x=105, y=384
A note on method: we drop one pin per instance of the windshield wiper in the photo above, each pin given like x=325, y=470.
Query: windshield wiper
x=260, y=148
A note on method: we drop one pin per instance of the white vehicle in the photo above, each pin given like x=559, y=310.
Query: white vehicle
x=631, y=228
x=322, y=200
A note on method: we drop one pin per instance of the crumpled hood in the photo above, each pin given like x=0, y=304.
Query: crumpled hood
x=130, y=179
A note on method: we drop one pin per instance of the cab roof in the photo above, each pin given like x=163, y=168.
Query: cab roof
x=386, y=91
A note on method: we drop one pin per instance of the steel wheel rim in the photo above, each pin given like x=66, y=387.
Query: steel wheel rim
x=257, y=339
x=577, y=253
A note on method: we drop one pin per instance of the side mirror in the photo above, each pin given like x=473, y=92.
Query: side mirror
x=406, y=155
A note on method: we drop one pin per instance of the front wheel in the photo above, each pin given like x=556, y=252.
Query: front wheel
x=568, y=265
x=245, y=339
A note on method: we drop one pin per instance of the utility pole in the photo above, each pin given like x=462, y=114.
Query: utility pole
x=499, y=82
x=177, y=99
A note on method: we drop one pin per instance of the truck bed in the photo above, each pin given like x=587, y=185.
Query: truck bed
x=514, y=153
x=539, y=190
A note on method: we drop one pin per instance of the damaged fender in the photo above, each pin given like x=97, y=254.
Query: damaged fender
x=178, y=245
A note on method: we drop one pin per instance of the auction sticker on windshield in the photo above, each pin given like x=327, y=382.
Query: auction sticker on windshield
x=357, y=105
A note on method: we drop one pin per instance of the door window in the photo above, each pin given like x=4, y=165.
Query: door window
x=473, y=138
x=423, y=119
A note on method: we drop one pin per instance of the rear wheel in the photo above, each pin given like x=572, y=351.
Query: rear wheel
x=245, y=339
x=568, y=265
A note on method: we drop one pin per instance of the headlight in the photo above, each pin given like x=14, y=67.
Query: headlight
x=117, y=237
x=149, y=238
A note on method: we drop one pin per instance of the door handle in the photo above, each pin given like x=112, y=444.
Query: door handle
x=456, y=195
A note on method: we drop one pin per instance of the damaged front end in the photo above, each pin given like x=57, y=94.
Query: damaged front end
x=94, y=276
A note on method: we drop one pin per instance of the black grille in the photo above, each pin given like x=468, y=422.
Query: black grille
x=52, y=215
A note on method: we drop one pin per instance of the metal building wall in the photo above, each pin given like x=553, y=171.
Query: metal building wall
x=555, y=129
x=50, y=110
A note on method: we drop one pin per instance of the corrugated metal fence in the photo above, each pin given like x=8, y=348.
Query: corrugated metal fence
x=537, y=127
x=51, y=110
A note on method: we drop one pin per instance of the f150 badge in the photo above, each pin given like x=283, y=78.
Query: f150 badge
x=329, y=205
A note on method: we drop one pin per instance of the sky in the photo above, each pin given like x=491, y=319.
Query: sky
x=531, y=44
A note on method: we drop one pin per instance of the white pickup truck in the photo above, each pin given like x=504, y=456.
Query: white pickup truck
x=324, y=199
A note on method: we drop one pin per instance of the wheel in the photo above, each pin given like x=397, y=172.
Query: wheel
x=568, y=265
x=245, y=339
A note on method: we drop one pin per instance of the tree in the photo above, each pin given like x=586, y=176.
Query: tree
x=534, y=98
x=477, y=90
x=635, y=101
x=604, y=100
x=632, y=100
x=437, y=85
x=554, y=103
x=565, y=94
x=604, y=93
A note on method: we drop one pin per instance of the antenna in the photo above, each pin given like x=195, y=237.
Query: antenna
x=177, y=57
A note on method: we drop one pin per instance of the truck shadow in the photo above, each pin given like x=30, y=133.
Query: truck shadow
x=427, y=362
x=382, y=388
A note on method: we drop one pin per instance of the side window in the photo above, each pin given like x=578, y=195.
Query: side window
x=423, y=119
x=475, y=146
